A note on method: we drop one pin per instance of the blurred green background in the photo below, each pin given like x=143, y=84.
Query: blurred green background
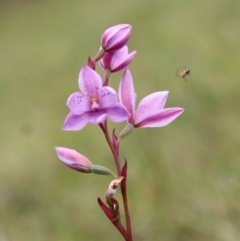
x=184, y=179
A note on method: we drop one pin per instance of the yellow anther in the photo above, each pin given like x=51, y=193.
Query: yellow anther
x=94, y=100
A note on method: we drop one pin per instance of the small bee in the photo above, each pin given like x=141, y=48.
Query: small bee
x=183, y=74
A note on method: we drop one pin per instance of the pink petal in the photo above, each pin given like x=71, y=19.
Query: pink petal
x=73, y=159
x=118, y=55
x=107, y=97
x=97, y=117
x=89, y=82
x=123, y=62
x=160, y=119
x=127, y=94
x=118, y=113
x=112, y=58
x=75, y=122
x=116, y=37
x=121, y=52
x=106, y=61
x=117, y=60
x=78, y=103
x=150, y=105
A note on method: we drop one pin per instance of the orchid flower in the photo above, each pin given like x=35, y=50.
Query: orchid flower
x=117, y=60
x=94, y=104
x=150, y=111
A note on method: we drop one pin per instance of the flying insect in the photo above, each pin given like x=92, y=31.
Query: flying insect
x=183, y=74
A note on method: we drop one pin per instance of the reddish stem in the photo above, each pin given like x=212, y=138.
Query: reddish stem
x=115, y=153
x=125, y=202
x=127, y=215
x=115, y=222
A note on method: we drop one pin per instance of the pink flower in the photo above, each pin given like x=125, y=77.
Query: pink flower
x=150, y=111
x=73, y=159
x=117, y=60
x=94, y=104
x=115, y=37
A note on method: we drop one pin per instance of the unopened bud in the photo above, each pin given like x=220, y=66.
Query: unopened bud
x=115, y=37
x=128, y=129
x=73, y=159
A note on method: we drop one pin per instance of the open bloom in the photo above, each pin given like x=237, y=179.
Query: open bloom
x=150, y=111
x=73, y=159
x=117, y=60
x=94, y=104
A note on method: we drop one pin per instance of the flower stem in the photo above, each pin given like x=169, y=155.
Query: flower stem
x=127, y=215
x=115, y=152
x=125, y=202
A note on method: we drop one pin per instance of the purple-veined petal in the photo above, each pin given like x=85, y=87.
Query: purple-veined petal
x=107, y=97
x=161, y=118
x=89, y=82
x=127, y=94
x=150, y=105
x=122, y=63
x=115, y=37
x=118, y=113
x=73, y=159
x=97, y=117
x=75, y=122
x=78, y=103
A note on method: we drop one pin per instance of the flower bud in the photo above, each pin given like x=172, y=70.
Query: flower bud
x=115, y=37
x=73, y=159
x=91, y=63
x=128, y=129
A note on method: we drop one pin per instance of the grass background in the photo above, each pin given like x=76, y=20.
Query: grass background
x=184, y=179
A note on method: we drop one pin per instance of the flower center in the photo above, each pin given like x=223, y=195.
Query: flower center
x=95, y=104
